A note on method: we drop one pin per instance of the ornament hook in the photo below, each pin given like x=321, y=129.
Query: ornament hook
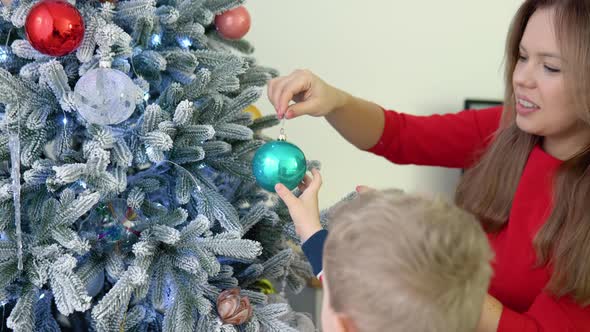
x=282, y=136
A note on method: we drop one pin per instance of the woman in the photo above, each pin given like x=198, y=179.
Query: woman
x=528, y=177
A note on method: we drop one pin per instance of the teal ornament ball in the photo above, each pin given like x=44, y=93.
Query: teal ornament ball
x=279, y=162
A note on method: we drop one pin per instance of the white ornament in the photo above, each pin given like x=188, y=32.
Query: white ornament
x=14, y=147
x=105, y=96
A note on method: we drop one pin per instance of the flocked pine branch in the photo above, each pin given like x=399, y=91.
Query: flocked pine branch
x=140, y=225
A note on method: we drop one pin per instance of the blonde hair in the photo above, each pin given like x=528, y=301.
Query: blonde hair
x=488, y=188
x=399, y=262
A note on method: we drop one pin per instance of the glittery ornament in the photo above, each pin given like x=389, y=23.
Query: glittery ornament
x=118, y=220
x=105, y=96
x=233, y=308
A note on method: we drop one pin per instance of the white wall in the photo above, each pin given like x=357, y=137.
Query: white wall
x=420, y=57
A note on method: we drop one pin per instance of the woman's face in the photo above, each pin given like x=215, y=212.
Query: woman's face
x=543, y=106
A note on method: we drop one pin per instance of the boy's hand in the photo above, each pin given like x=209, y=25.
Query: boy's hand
x=304, y=210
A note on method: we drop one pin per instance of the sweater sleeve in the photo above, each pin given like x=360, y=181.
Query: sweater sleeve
x=448, y=140
x=313, y=249
x=547, y=314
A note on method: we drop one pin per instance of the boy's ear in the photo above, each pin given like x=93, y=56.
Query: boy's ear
x=345, y=323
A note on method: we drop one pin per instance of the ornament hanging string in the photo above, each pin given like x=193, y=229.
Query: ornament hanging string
x=282, y=136
x=132, y=65
x=145, y=101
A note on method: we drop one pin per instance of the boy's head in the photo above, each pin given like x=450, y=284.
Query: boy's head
x=398, y=262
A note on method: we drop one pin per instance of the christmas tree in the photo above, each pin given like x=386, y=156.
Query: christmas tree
x=127, y=200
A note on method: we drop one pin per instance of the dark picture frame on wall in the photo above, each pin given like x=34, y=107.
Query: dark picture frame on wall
x=474, y=104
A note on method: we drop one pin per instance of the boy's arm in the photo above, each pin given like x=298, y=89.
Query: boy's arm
x=305, y=213
x=313, y=249
x=490, y=315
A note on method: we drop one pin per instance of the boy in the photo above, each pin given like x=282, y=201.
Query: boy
x=394, y=262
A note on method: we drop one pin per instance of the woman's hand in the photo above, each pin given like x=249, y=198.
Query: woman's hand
x=312, y=96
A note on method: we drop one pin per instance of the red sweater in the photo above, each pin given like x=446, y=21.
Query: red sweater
x=456, y=140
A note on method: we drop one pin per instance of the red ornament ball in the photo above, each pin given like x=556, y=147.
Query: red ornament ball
x=54, y=27
x=234, y=23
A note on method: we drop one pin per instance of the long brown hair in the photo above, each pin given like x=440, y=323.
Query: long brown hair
x=487, y=189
